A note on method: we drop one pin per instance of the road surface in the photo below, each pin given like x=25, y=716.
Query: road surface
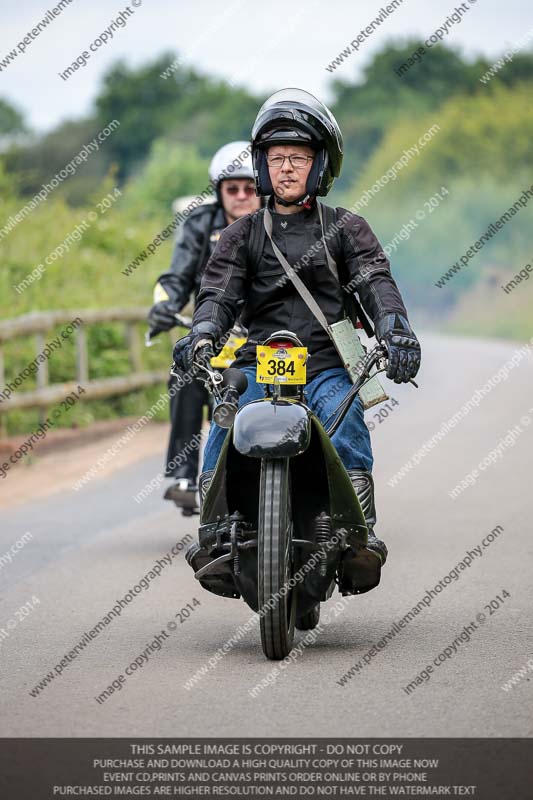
x=88, y=548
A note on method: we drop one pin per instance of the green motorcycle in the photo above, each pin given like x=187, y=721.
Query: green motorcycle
x=279, y=512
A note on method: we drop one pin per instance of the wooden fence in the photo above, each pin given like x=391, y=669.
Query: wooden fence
x=37, y=324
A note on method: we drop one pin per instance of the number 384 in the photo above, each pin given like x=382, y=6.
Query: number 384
x=279, y=367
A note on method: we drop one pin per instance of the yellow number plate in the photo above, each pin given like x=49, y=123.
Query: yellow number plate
x=227, y=355
x=281, y=365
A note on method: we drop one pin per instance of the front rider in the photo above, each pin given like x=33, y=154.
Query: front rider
x=297, y=153
x=232, y=176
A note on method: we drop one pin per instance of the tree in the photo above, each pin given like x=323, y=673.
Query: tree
x=38, y=162
x=172, y=170
x=382, y=99
x=519, y=69
x=186, y=107
x=11, y=119
x=481, y=153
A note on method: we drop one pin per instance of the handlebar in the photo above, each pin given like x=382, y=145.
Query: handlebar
x=201, y=360
x=203, y=355
x=225, y=387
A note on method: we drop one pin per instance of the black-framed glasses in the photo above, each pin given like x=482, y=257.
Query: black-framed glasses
x=297, y=161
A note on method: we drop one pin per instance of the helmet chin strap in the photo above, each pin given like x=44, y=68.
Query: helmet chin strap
x=306, y=201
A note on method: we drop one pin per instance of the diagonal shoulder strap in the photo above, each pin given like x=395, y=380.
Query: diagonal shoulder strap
x=303, y=291
x=299, y=285
x=346, y=342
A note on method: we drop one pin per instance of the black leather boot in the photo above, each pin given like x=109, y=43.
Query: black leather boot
x=362, y=571
x=203, y=485
x=195, y=555
x=221, y=582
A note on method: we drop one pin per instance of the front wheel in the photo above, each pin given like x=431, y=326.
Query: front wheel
x=277, y=601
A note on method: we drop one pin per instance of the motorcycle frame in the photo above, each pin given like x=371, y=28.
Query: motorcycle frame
x=270, y=428
x=326, y=515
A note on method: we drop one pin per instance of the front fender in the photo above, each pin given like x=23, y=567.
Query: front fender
x=264, y=429
x=319, y=479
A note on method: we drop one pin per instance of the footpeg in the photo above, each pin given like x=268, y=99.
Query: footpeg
x=221, y=582
x=359, y=572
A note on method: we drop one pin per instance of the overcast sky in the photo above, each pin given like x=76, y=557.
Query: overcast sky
x=262, y=46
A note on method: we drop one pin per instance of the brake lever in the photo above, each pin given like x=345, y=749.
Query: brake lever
x=214, y=376
x=148, y=338
x=371, y=359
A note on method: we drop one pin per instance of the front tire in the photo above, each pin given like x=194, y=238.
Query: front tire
x=274, y=559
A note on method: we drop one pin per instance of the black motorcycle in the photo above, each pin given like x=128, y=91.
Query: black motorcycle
x=279, y=511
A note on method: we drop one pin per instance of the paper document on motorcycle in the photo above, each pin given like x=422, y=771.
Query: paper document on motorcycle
x=351, y=351
x=281, y=363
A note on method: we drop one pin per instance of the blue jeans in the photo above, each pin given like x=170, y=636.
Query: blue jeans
x=323, y=394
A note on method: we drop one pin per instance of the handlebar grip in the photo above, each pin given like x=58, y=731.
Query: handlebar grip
x=235, y=379
x=204, y=353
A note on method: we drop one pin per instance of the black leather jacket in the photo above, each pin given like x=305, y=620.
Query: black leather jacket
x=195, y=243
x=269, y=302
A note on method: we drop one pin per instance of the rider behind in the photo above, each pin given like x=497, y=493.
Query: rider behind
x=231, y=174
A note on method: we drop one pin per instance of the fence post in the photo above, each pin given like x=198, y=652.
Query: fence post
x=3, y=423
x=134, y=346
x=42, y=371
x=82, y=356
x=45, y=395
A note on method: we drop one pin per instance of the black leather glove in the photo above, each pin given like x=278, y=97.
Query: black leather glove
x=185, y=348
x=161, y=316
x=403, y=348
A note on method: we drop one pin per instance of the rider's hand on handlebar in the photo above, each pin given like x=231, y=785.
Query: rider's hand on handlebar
x=403, y=348
x=203, y=353
x=201, y=335
x=162, y=315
